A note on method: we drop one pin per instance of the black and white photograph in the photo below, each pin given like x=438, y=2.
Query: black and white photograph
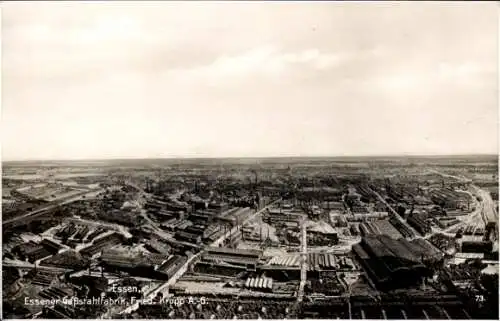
x=250, y=160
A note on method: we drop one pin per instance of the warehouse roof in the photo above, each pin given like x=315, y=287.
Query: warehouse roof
x=238, y=252
x=386, y=258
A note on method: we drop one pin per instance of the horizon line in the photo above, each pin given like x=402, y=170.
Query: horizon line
x=409, y=155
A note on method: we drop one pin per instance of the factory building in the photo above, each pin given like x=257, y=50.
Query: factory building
x=188, y=237
x=341, y=221
x=157, y=247
x=322, y=238
x=319, y=261
x=260, y=283
x=333, y=206
x=220, y=269
x=239, y=257
x=280, y=273
x=70, y=260
x=274, y=217
x=171, y=266
x=44, y=278
x=219, y=207
x=120, y=217
x=235, y=216
x=51, y=246
x=154, y=266
x=394, y=263
x=102, y=243
x=31, y=251
x=419, y=224
x=451, y=200
x=477, y=247
x=202, y=217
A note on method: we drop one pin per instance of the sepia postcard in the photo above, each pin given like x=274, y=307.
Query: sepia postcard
x=249, y=160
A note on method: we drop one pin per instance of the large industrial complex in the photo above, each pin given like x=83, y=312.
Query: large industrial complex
x=259, y=239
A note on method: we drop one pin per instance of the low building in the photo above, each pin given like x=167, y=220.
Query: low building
x=172, y=265
x=31, y=251
x=195, y=229
x=188, y=237
x=450, y=199
x=70, y=260
x=419, y=224
x=359, y=209
x=157, y=247
x=218, y=269
x=102, y=243
x=44, y=278
x=355, y=229
x=201, y=217
x=275, y=217
x=145, y=265
x=320, y=261
x=218, y=206
x=321, y=238
x=342, y=221
x=330, y=205
x=246, y=258
x=281, y=273
x=477, y=247
x=366, y=229
x=260, y=283
x=51, y=246
x=121, y=217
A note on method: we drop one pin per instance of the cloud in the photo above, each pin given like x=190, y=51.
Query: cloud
x=263, y=63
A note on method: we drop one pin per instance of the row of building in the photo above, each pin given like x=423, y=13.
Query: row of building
x=33, y=251
x=450, y=199
x=419, y=223
x=401, y=227
x=279, y=216
x=259, y=283
x=101, y=244
x=248, y=259
x=69, y=260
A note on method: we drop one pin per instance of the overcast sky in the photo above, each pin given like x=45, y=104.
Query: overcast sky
x=164, y=79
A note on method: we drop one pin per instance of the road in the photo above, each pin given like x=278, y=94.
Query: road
x=52, y=206
x=163, y=288
x=349, y=295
